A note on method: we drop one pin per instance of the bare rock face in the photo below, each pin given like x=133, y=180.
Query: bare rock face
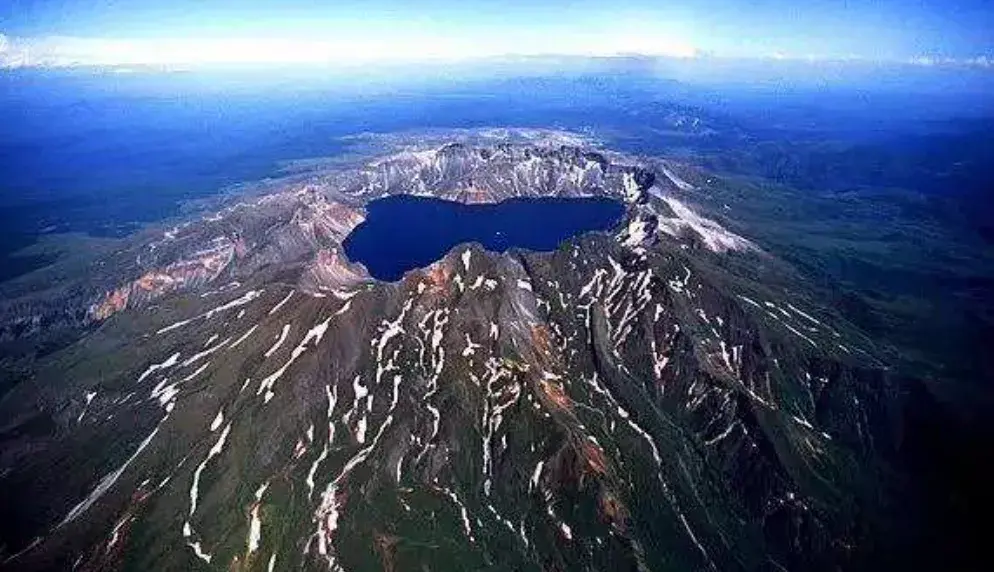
x=469, y=174
x=331, y=272
x=641, y=400
x=199, y=269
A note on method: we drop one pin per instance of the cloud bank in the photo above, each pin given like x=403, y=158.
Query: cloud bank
x=71, y=52
x=78, y=52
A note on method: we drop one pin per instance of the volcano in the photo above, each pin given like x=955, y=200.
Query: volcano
x=241, y=395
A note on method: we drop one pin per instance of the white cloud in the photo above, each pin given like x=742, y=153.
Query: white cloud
x=934, y=61
x=361, y=48
x=344, y=50
x=981, y=61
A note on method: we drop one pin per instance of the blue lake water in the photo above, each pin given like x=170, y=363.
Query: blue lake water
x=403, y=232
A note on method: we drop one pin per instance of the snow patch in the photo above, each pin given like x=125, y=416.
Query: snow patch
x=715, y=237
x=279, y=341
x=280, y=304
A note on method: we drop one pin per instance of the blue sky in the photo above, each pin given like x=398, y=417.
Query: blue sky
x=875, y=30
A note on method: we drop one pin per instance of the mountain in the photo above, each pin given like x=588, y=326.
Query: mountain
x=241, y=395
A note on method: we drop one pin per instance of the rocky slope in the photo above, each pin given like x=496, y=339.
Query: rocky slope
x=248, y=398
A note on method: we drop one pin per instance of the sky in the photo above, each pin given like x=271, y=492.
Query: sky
x=191, y=31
